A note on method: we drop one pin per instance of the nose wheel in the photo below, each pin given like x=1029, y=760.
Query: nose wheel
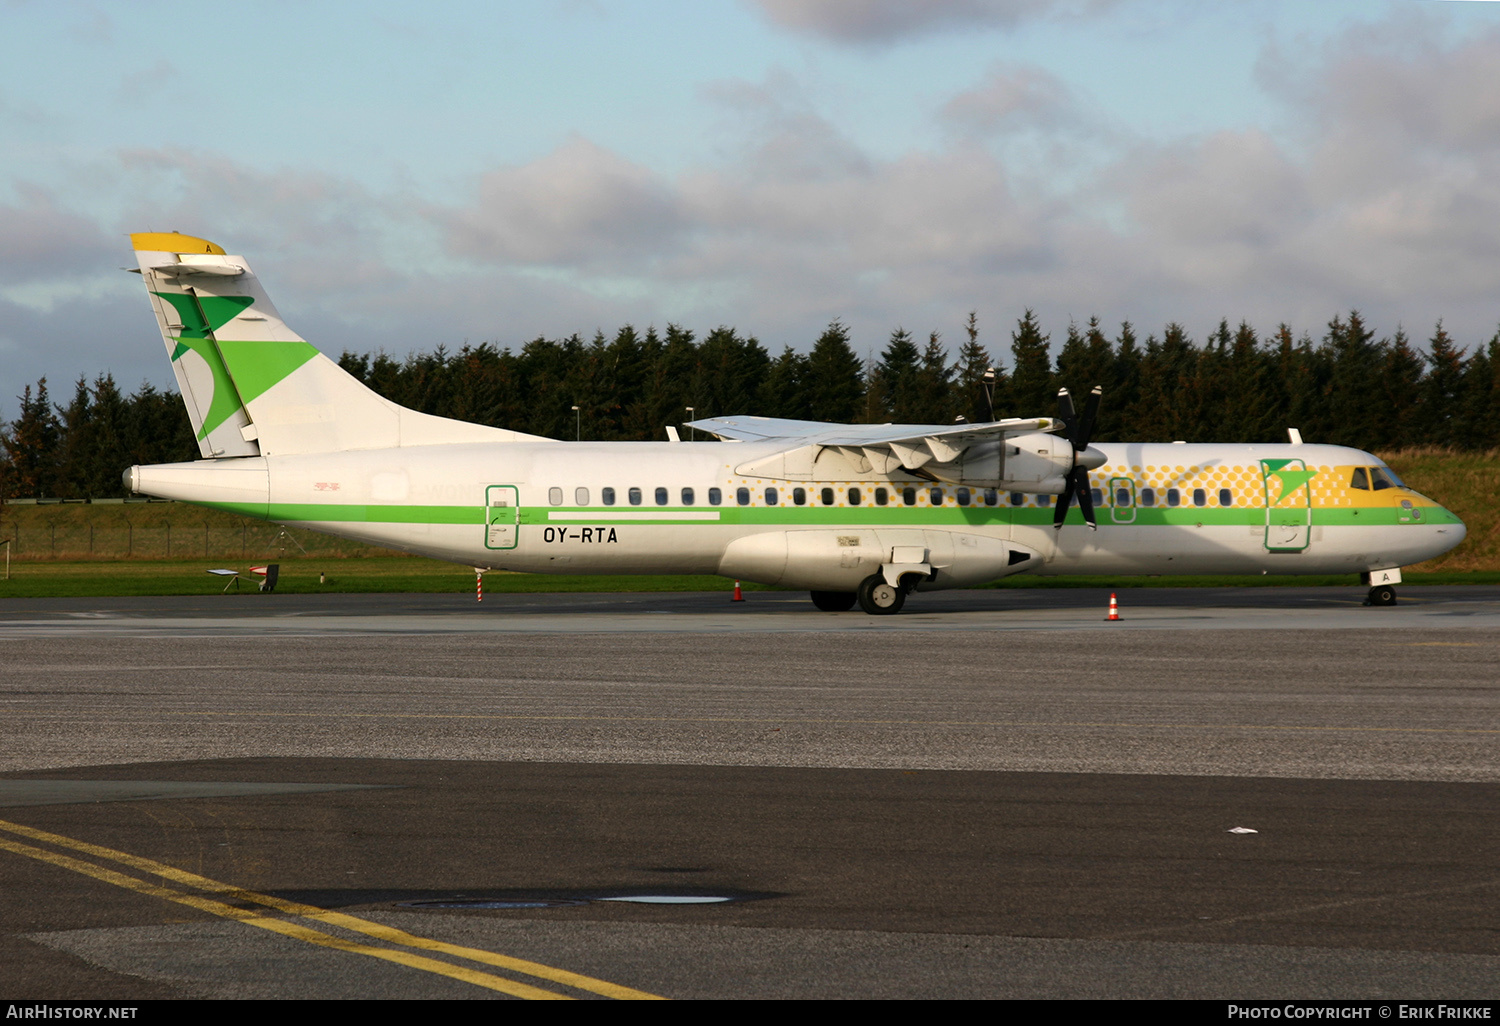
x=1381, y=595
x=879, y=598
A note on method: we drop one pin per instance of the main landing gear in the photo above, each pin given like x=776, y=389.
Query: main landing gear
x=875, y=596
x=878, y=597
x=1381, y=595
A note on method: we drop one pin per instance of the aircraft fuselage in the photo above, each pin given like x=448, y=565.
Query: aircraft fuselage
x=621, y=507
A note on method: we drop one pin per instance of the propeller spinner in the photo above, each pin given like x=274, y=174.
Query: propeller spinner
x=1079, y=430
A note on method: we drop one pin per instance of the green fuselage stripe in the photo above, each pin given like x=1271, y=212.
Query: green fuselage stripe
x=868, y=516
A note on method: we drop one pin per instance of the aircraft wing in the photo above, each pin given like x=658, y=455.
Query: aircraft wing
x=759, y=429
x=884, y=446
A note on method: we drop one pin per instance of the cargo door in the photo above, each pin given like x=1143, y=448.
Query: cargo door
x=1121, y=500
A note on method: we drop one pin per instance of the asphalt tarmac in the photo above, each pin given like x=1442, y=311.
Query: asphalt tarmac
x=1232, y=793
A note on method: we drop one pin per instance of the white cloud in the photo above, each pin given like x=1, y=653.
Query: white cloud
x=888, y=21
x=38, y=240
x=1382, y=195
x=579, y=205
x=1013, y=96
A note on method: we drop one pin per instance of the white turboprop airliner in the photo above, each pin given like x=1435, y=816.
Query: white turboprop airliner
x=861, y=513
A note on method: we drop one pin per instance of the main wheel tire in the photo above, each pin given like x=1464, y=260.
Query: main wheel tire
x=878, y=598
x=1383, y=595
x=834, y=601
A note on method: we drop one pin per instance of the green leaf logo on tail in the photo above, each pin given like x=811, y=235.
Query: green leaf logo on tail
x=217, y=311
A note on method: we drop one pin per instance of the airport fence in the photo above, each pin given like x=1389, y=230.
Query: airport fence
x=147, y=531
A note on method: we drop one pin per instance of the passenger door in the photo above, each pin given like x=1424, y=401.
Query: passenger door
x=502, y=516
x=1288, y=489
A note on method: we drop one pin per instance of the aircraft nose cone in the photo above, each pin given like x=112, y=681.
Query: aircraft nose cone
x=1457, y=531
x=1091, y=459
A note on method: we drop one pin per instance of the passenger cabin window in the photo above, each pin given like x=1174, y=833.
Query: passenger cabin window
x=607, y=496
x=1122, y=497
x=688, y=496
x=854, y=496
x=661, y=496
x=1360, y=480
x=826, y=496
x=962, y=495
x=1148, y=496
x=882, y=496
x=554, y=496
x=909, y=496
x=715, y=497
x=1044, y=500
x=1097, y=495
x=1174, y=497
x=581, y=496
x=772, y=499
x=1016, y=498
x=991, y=497
x=1226, y=497
x=742, y=496
x=1200, y=497
x=799, y=496
x=935, y=497
x=635, y=496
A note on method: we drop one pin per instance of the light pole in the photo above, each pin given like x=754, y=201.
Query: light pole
x=693, y=436
x=577, y=425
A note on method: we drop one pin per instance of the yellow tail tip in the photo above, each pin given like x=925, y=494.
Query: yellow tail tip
x=171, y=242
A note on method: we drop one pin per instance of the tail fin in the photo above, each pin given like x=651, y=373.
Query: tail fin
x=254, y=387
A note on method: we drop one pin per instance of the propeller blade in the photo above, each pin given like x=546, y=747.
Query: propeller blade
x=1079, y=482
x=1065, y=411
x=1080, y=430
x=1085, y=431
x=1060, y=508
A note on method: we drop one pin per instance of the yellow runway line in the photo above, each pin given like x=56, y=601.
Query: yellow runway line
x=311, y=912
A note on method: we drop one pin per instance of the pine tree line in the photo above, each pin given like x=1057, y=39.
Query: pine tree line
x=1347, y=388
x=79, y=451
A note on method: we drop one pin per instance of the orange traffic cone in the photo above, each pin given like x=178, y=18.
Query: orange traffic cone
x=738, y=596
x=1114, y=608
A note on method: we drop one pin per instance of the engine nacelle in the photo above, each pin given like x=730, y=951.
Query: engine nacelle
x=838, y=560
x=1038, y=463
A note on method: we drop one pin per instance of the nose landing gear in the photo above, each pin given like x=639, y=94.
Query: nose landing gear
x=1382, y=586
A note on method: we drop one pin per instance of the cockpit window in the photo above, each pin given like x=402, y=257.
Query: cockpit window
x=1382, y=477
x=1360, y=480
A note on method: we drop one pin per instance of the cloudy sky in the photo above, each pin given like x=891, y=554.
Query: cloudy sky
x=405, y=176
